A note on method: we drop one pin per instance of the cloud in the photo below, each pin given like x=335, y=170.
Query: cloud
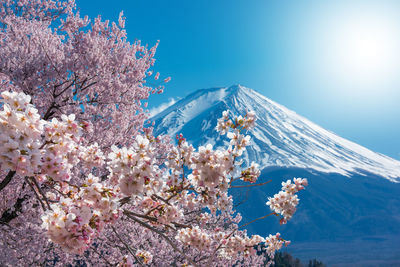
x=154, y=111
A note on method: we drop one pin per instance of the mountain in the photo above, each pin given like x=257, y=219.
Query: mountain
x=280, y=138
x=352, y=204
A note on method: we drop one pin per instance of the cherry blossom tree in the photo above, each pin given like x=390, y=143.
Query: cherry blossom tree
x=84, y=182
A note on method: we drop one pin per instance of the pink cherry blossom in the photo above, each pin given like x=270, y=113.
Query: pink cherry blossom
x=83, y=180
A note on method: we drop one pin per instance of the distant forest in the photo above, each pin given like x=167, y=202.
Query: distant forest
x=284, y=259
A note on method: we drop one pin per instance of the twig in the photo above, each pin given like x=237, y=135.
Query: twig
x=36, y=194
x=126, y=245
x=153, y=219
x=219, y=246
x=249, y=185
x=263, y=217
x=234, y=230
x=243, y=200
x=49, y=111
x=166, y=200
x=160, y=198
x=4, y=223
x=41, y=192
x=164, y=236
x=141, y=216
x=124, y=200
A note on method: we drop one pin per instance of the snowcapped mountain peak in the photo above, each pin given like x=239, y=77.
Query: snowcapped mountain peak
x=281, y=137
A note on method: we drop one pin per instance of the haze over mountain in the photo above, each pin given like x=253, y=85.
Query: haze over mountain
x=352, y=204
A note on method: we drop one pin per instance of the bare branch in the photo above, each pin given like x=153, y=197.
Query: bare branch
x=153, y=219
x=250, y=185
x=36, y=194
x=7, y=180
x=263, y=217
x=41, y=192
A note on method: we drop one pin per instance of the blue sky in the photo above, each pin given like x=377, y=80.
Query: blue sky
x=336, y=63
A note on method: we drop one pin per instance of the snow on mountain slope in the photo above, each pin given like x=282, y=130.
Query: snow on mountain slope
x=281, y=137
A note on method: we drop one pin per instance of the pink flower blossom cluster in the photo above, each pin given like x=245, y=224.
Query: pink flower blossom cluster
x=274, y=243
x=61, y=150
x=251, y=174
x=76, y=219
x=194, y=237
x=245, y=245
x=135, y=169
x=210, y=168
x=92, y=156
x=20, y=131
x=242, y=123
x=285, y=201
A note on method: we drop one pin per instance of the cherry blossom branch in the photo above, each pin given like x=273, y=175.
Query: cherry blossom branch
x=163, y=236
x=36, y=194
x=51, y=61
x=250, y=185
x=12, y=212
x=234, y=230
x=49, y=111
x=263, y=217
x=124, y=200
x=50, y=186
x=64, y=89
x=220, y=245
x=126, y=245
x=41, y=192
x=160, y=198
x=153, y=219
x=168, y=199
x=7, y=179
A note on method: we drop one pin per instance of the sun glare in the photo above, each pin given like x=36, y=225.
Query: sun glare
x=363, y=50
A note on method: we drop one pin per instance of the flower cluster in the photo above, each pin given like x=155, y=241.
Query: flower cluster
x=251, y=174
x=178, y=157
x=210, y=167
x=164, y=213
x=274, y=243
x=239, y=244
x=133, y=168
x=75, y=220
x=170, y=213
x=195, y=237
x=92, y=156
x=225, y=124
x=20, y=131
x=238, y=140
x=61, y=150
x=285, y=201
